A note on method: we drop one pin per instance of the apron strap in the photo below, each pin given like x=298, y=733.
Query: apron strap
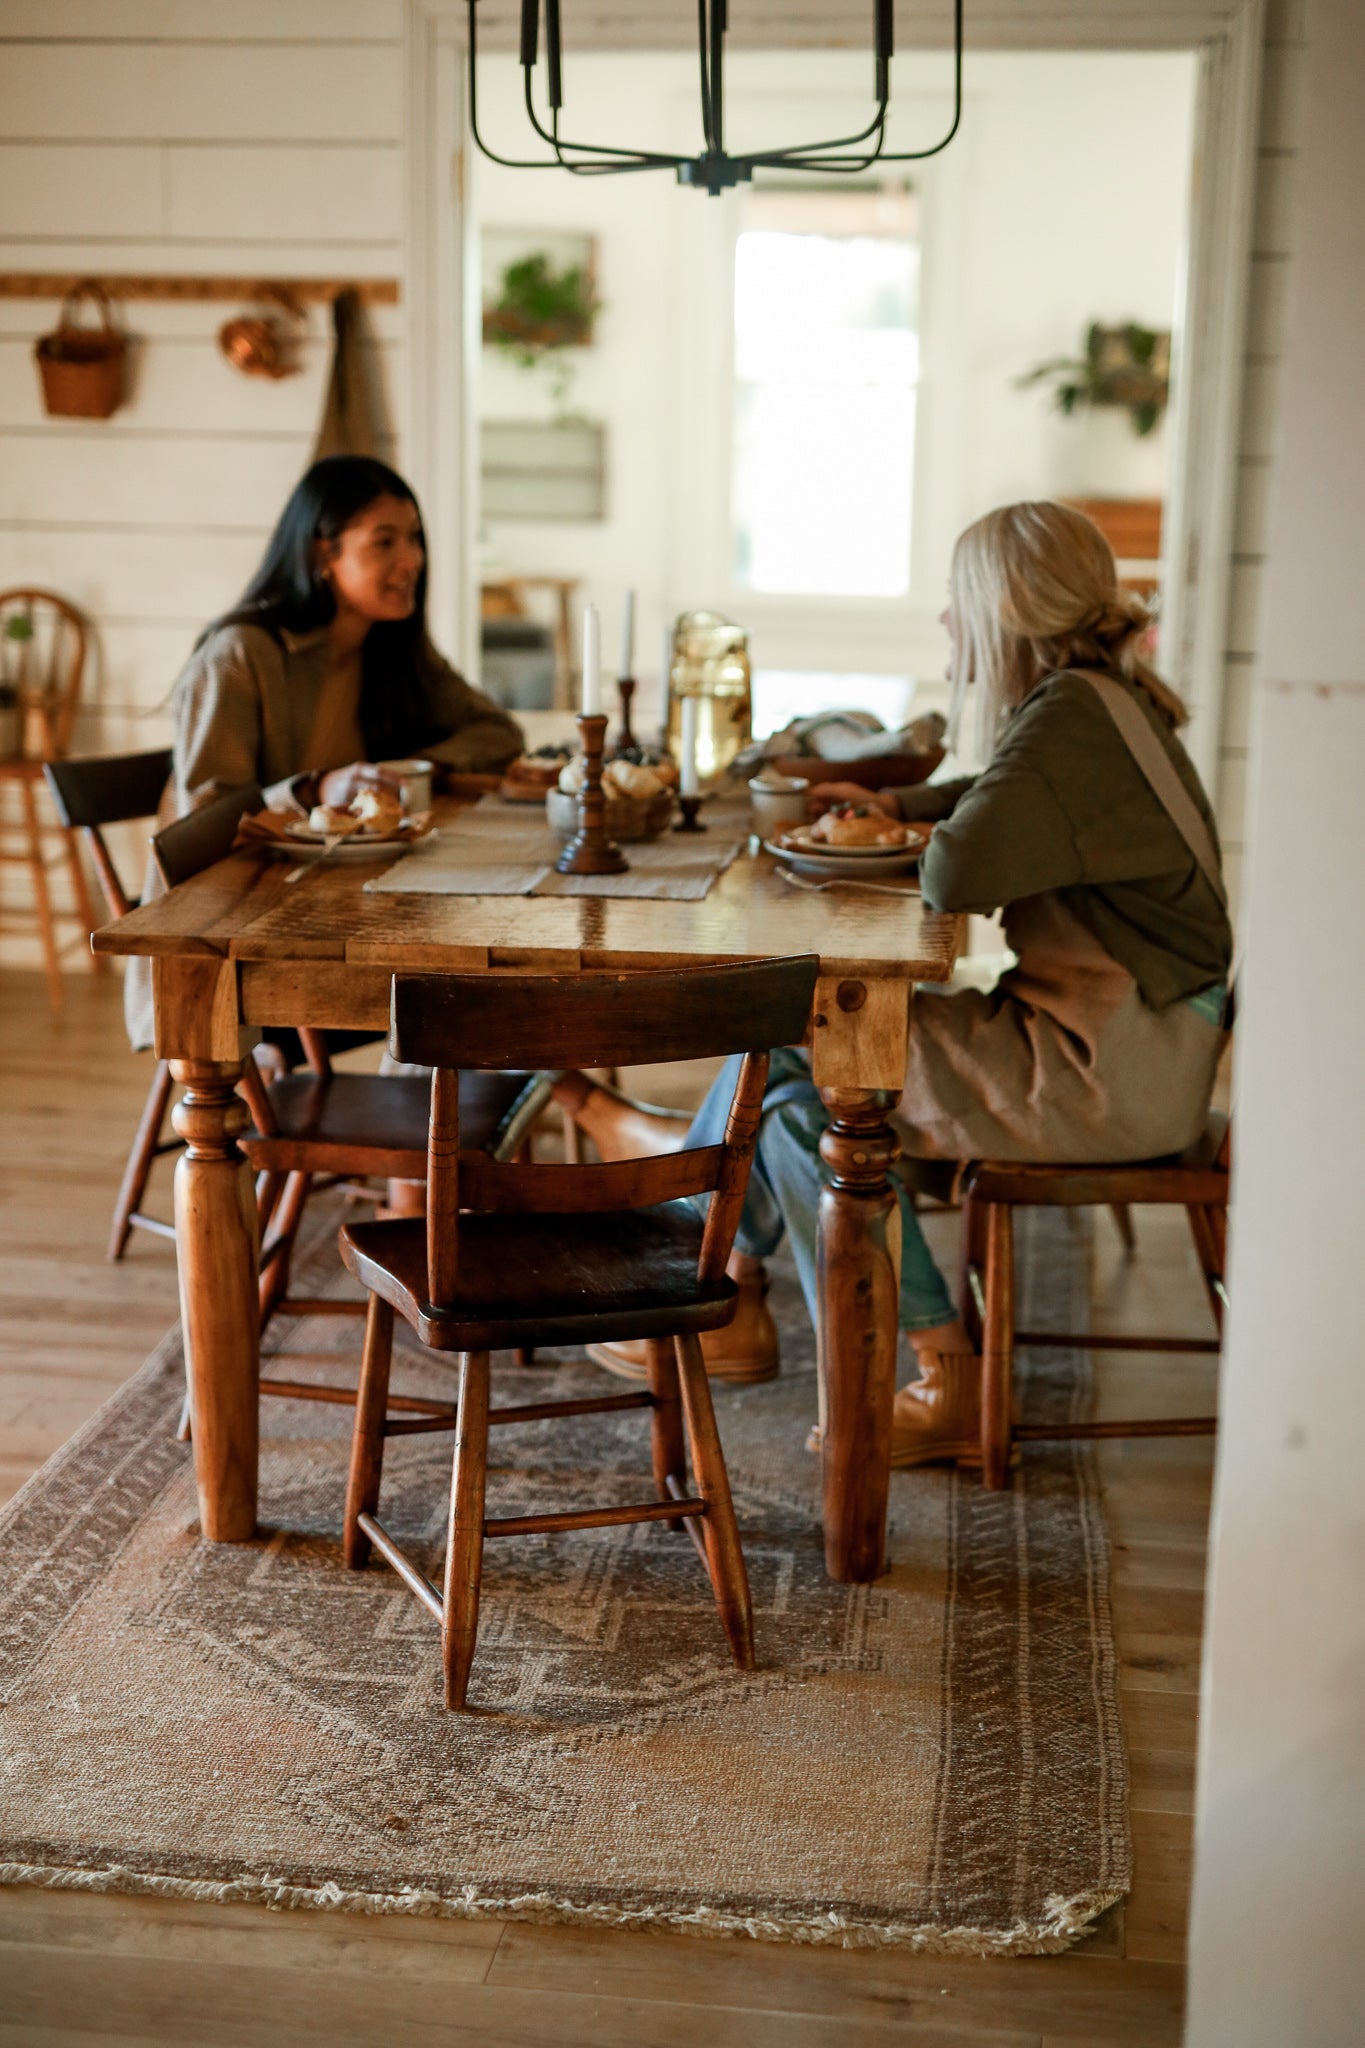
x=1160, y=773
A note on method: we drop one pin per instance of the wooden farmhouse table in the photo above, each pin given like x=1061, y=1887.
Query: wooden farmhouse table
x=239, y=948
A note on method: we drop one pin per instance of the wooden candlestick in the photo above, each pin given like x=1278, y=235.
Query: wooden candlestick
x=626, y=737
x=590, y=852
x=689, y=806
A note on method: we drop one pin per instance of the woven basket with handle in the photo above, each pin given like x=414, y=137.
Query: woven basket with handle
x=82, y=368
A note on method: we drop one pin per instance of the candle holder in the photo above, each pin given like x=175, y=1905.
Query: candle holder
x=625, y=738
x=689, y=806
x=590, y=852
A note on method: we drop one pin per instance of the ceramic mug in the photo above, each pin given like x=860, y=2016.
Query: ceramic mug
x=777, y=801
x=414, y=781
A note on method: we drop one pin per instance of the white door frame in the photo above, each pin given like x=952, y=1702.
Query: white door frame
x=440, y=438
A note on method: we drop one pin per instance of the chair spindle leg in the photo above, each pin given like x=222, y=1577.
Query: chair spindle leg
x=140, y=1158
x=1208, y=1228
x=288, y=1215
x=997, y=1354
x=973, y=1255
x=724, y=1556
x=464, y=1548
x=367, y=1435
x=667, y=1444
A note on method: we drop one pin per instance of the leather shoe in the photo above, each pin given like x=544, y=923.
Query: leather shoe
x=743, y=1352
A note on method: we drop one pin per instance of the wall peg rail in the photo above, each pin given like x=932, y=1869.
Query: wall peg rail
x=371, y=291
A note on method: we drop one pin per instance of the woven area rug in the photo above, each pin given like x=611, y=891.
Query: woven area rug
x=934, y=1760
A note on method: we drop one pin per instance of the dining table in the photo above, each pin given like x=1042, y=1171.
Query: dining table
x=249, y=943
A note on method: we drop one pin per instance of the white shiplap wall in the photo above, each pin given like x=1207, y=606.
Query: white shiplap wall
x=181, y=136
x=1278, y=144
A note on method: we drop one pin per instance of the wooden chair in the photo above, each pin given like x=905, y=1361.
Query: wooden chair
x=320, y=1127
x=566, y=1255
x=43, y=642
x=90, y=794
x=1195, y=1180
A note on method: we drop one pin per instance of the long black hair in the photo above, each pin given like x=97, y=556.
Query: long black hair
x=289, y=593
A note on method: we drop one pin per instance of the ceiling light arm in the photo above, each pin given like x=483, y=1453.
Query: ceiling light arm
x=631, y=159
x=916, y=156
x=719, y=23
x=876, y=126
x=707, y=129
x=511, y=163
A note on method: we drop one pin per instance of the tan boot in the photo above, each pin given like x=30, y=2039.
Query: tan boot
x=939, y=1416
x=618, y=1127
x=744, y=1351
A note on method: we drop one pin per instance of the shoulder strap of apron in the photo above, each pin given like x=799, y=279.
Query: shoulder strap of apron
x=1159, y=770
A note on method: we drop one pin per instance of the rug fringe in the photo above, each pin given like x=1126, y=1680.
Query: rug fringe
x=1068, y=1919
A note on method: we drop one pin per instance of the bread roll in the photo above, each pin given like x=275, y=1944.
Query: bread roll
x=859, y=825
x=325, y=818
x=631, y=778
x=379, y=809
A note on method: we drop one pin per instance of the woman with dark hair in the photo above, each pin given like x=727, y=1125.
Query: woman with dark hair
x=325, y=667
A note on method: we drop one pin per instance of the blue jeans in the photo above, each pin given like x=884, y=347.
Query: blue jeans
x=784, y=1187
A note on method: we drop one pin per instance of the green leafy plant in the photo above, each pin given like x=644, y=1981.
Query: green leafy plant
x=539, y=308
x=1128, y=365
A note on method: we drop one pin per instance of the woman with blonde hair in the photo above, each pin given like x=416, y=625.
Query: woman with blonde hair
x=1089, y=830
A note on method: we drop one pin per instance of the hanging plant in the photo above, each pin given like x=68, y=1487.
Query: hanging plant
x=1128, y=366
x=539, y=308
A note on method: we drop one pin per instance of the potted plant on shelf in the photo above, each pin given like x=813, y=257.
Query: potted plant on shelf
x=1128, y=366
x=540, y=311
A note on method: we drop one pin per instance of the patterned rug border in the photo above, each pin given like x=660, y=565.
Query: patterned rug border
x=1065, y=1920
x=1068, y=1919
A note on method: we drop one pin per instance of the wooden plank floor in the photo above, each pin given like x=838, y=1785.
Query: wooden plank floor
x=109, y=1970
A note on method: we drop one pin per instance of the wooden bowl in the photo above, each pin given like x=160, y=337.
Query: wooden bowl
x=873, y=771
x=629, y=819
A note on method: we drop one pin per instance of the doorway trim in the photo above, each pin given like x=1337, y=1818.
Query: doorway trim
x=440, y=412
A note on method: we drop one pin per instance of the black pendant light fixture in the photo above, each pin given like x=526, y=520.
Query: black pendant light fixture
x=715, y=168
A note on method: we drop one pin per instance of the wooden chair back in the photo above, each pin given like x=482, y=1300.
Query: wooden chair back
x=104, y=790
x=43, y=642
x=194, y=842
x=484, y=1021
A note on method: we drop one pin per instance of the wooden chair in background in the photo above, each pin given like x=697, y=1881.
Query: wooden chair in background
x=43, y=645
x=1195, y=1180
x=90, y=795
x=567, y=1255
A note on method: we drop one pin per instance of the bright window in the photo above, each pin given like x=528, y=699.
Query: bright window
x=826, y=365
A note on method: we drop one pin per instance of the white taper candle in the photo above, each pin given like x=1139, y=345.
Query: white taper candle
x=688, y=784
x=627, y=667
x=591, y=700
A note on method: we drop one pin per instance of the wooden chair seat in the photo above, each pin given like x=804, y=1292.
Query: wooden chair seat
x=322, y=1121
x=529, y=1281
x=1193, y=1175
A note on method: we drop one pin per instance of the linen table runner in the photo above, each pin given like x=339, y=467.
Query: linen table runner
x=502, y=849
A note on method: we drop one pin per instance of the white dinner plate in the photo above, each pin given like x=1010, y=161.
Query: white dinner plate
x=848, y=862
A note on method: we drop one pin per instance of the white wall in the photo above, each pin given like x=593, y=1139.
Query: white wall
x=1276, y=1953
x=1062, y=199
x=180, y=136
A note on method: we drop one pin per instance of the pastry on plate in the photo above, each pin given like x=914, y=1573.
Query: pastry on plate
x=331, y=822
x=859, y=825
x=379, y=810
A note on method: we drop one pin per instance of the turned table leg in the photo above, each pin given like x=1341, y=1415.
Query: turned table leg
x=215, y=1228
x=859, y=1270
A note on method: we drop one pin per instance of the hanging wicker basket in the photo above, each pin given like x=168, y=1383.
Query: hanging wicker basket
x=82, y=368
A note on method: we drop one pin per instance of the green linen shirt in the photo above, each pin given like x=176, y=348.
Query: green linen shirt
x=1064, y=807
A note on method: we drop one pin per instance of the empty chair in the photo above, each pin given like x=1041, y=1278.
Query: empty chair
x=572, y=1254
x=112, y=789
x=43, y=642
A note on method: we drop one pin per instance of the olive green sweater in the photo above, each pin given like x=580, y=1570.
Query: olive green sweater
x=1063, y=806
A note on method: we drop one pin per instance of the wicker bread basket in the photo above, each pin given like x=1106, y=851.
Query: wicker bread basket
x=628, y=819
